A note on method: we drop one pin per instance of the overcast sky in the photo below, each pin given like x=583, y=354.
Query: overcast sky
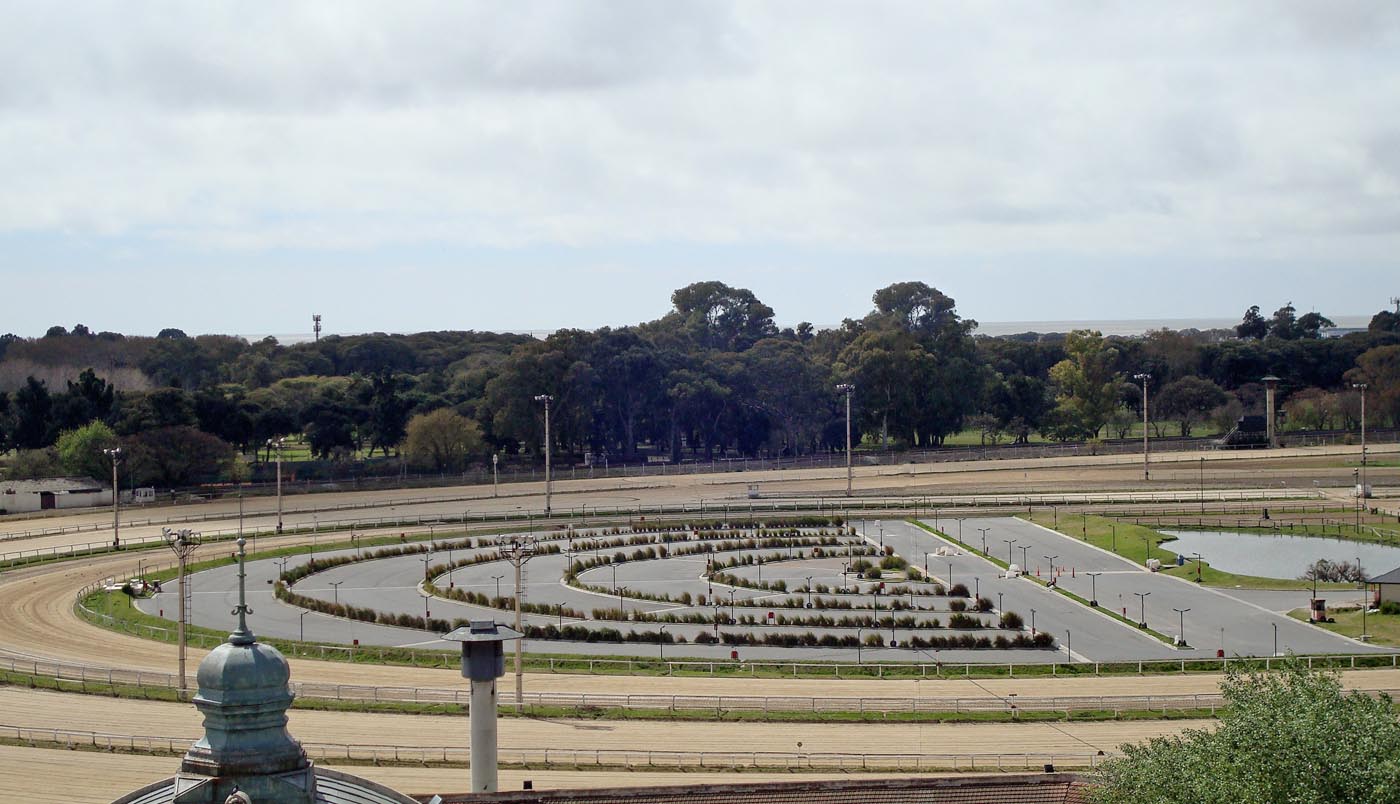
x=235, y=167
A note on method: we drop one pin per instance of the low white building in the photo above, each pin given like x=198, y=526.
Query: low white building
x=23, y=496
x=1387, y=587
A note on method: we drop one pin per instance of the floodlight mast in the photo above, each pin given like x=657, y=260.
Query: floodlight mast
x=847, y=389
x=115, y=453
x=546, y=399
x=518, y=550
x=182, y=542
x=1145, y=378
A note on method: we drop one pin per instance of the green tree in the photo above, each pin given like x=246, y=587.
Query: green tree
x=1088, y=385
x=1253, y=326
x=178, y=456
x=1188, y=401
x=33, y=415
x=718, y=316
x=1291, y=735
x=442, y=440
x=80, y=450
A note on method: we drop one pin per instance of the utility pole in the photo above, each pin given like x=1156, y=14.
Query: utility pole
x=495, y=474
x=517, y=551
x=115, y=453
x=847, y=389
x=316, y=325
x=548, y=448
x=182, y=543
x=276, y=443
x=1145, y=378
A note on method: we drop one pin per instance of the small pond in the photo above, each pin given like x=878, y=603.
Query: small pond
x=1277, y=556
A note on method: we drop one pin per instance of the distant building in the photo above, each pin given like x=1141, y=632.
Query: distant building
x=1387, y=586
x=51, y=493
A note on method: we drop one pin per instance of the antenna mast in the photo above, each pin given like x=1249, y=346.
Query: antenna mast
x=316, y=324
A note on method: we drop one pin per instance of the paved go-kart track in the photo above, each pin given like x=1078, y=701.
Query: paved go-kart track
x=37, y=619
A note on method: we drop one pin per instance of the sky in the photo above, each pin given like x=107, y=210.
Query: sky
x=237, y=166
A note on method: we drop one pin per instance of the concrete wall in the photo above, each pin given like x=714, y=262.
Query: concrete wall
x=1389, y=591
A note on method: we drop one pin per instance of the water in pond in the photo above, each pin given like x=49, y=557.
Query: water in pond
x=1277, y=556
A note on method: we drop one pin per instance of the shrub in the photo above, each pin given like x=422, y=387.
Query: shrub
x=1390, y=607
x=1011, y=620
x=872, y=574
x=958, y=590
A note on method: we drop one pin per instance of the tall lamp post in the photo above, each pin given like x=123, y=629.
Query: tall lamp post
x=546, y=399
x=1360, y=386
x=1009, y=543
x=277, y=443
x=1144, y=378
x=1142, y=608
x=1181, y=625
x=847, y=389
x=495, y=474
x=984, y=541
x=1093, y=588
x=115, y=453
x=182, y=543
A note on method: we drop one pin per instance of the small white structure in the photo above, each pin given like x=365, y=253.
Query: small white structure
x=52, y=493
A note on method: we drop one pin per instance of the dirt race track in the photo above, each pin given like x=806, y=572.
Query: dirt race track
x=37, y=619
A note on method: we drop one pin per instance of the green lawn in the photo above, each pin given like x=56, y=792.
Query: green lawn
x=1384, y=629
x=1137, y=543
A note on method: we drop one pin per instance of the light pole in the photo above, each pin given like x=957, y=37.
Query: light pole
x=1009, y=543
x=1051, y=559
x=1275, y=638
x=1203, y=484
x=1032, y=622
x=847, y=389
x=495, y=474
x=302, y=623
x=732, y=617
x=1025, y=551
x=960, y=538
x=497, y=579
x=115, y=454
x=859, y=631
x=1093, y=588
x=1181, y=625
x=1357, y=483
x=1142, y=608
x=1069, y=645
x=950, y=575
x=182, y=543
x=1360, y=386
x=426, y=559
x=335, y=588
x=809, y=591
x=1197, y=556
x=546, y=399
x=277, y=443
x=984, y=541
x=661, y=641
x=1145, y=378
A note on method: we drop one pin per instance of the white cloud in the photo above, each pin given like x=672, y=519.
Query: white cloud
x=928, y=128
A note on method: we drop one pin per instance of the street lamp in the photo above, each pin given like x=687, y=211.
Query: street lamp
x=848, y=389
x=426, y=559
x=960, y=538
x=546, y=399
x=984, y=541
x=1010, y=542
x=1360, y=386
x=115, y=454
x=1093, y=588
x=859, y=631
x=277, y=444
x=1142, y=608
x=1145, y=378
x=1051, y=559
x=1032, y=622
x=335, y=588
x=1025, y=550
x=950, y=575
x=495, y=474
x=661, y=641
x=1197, y=556
x=497, y=579
x=1181, y=625
x=302, y=623
x=809, y=591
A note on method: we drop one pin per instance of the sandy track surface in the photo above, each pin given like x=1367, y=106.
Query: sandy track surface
x=27, y=774
x=37, y=708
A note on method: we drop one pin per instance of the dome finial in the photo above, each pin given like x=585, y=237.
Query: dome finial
x=242, y=636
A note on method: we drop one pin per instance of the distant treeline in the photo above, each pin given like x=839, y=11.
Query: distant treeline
x=715, y=377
